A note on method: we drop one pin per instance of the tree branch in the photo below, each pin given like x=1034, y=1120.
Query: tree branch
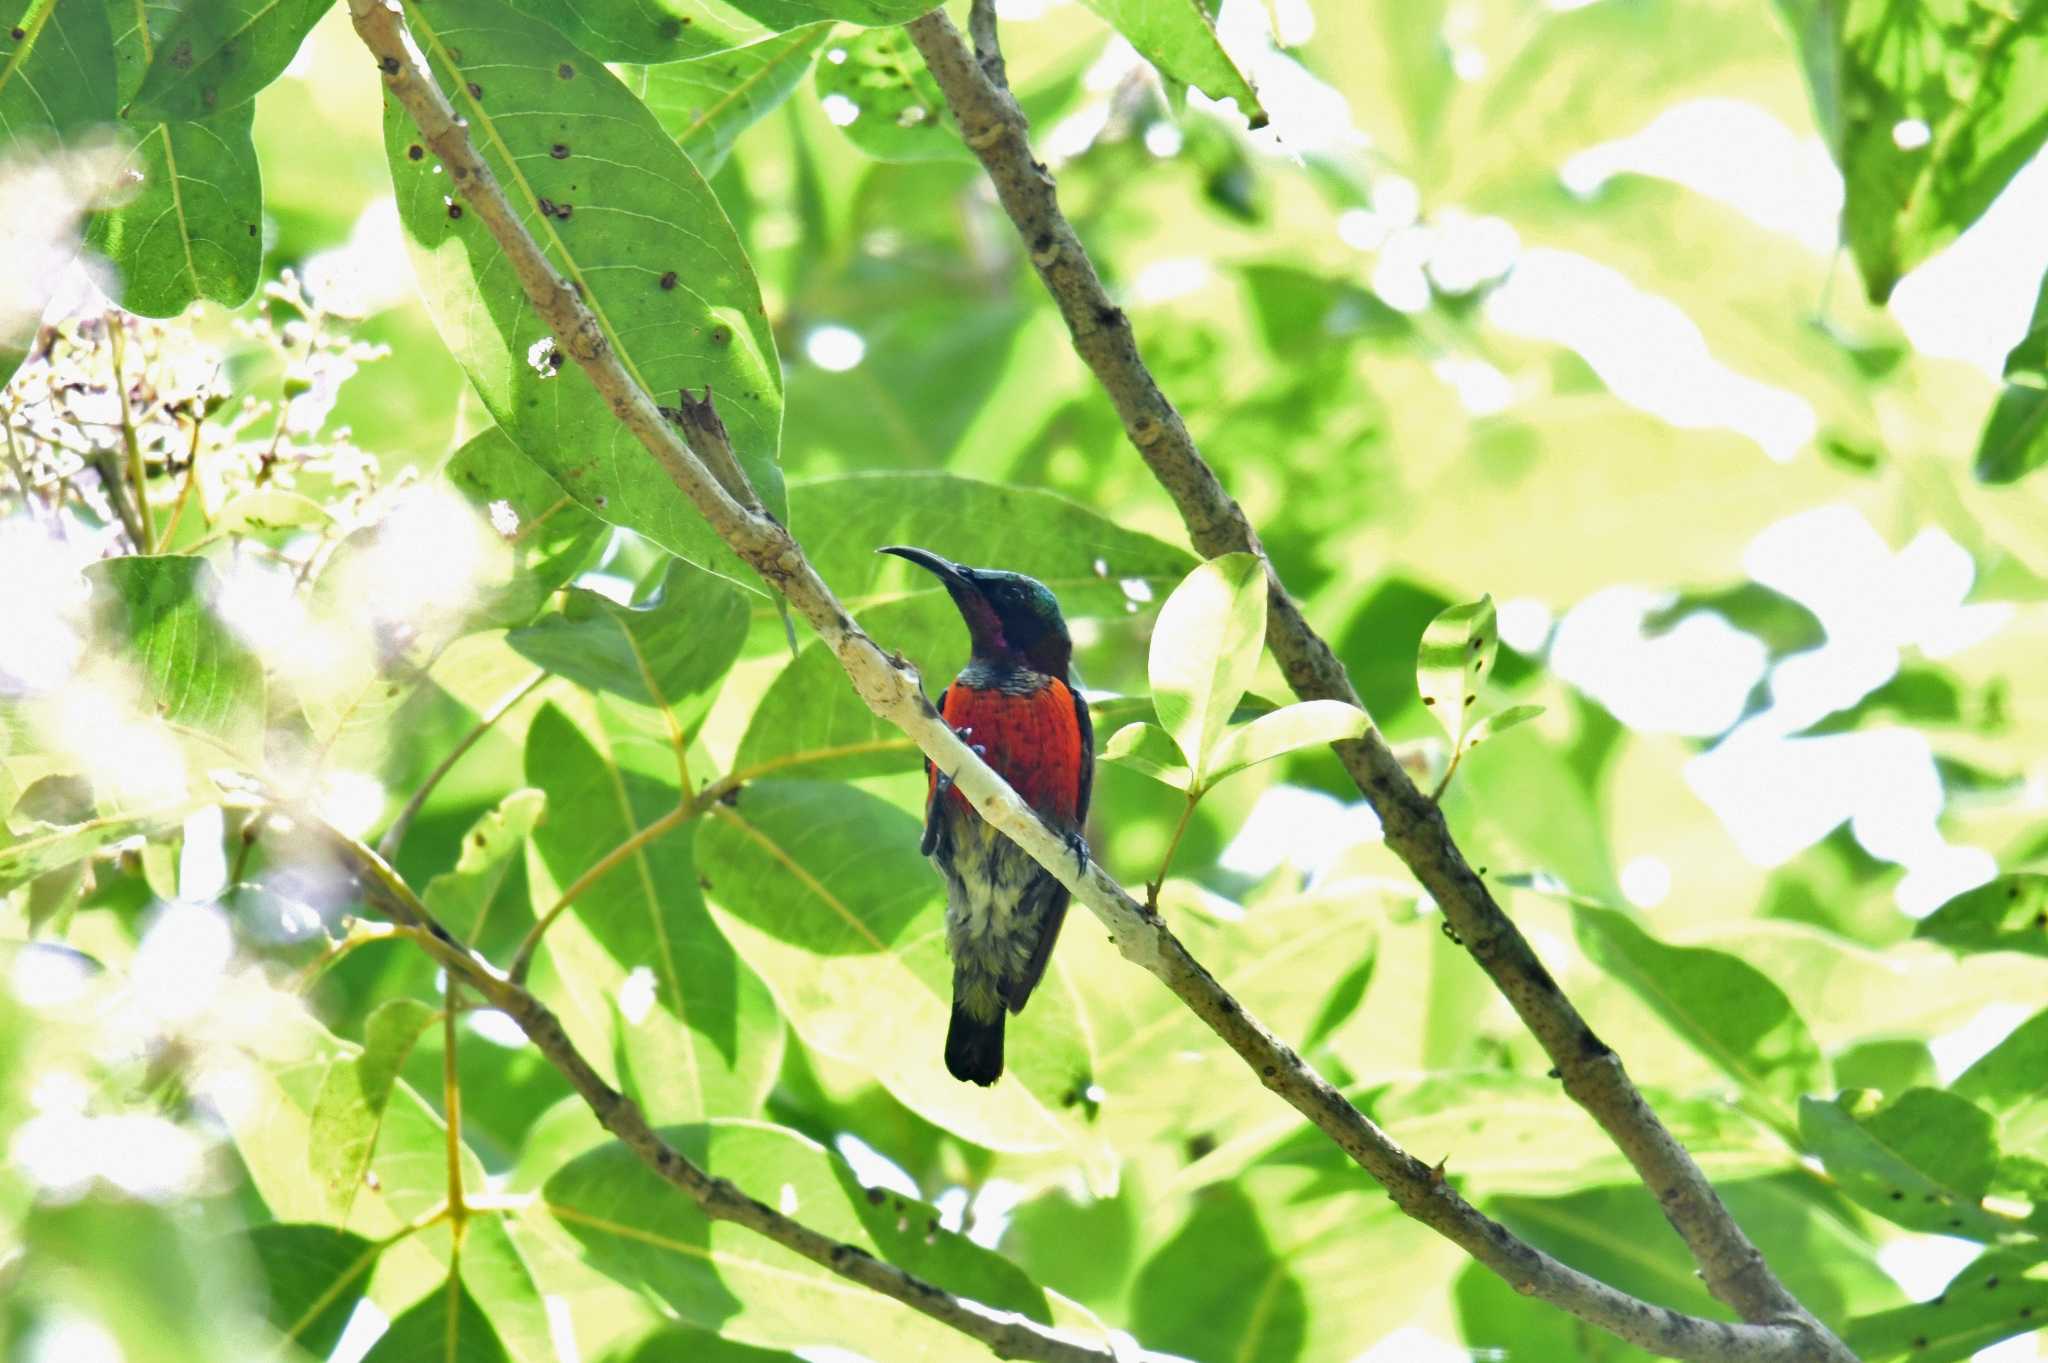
x=892, y=690
x=995, y=129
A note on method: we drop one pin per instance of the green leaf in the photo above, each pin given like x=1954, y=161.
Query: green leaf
x=192, y=227
x=152, y=1276
x=1929, y=111
x=1500, y=722
x=1180, y=39
x=550, y=535
x=823, y=891
x=1722, y=1006
x=313, y=1275
x=1890, y=1067
x=2007, y=1078
x=348, y=1111
x=37, y=854
x=681, y=1344
x=1923, y=1162
x=2004, y=1293
x=220, y=53
x=196, y=671
x=876, y=90
x=445, y=1326
x=1455, y=653
x=1149, y=750
x=1308, y=724
x=707, y=103
x=810, y=723
x=1205, y=649
x=724, y=1277
x=627, y=220
x=708, y=1043
x=2027, y=362
x=684, y=30
x=460, y=899
x=1219, y=1288
x=2015, y=439
x=679, y=643
x=2009, y=914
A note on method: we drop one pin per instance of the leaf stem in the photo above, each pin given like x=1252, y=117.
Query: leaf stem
x=1173, y=845
x=522, y=960
x=451, y=1115
x=387, y=846
x=131, y=445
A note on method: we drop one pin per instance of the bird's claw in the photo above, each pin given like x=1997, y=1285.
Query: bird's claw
x=1078, y=845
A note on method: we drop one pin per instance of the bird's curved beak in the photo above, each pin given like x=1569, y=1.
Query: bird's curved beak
x=982, y=625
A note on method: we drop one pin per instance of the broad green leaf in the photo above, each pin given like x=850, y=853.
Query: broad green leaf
x=1923, y=1162
x=1180, y=39
x=707, y=103
x=1219, y=1288
x=348, y=1110
x=708, y=1042
x=1722, y=1006
x=2006, y=1080
x=460, y=899
x=2015, y=439
x=220, y=53
x=550, y=535
x=1149, y=750
x=2027, y=362
x=313, y=1275
x=1889, y=1067
x=720, y=1276
x=681, y=1344
x=196, y=671
x=822, y=890
x=1928, y=110
x=680, y=642
x=1308, y=724
x=39, y=853
x=669, y=31
x=155, y=1277
x=2009, y=914
x=445, y=1326
x=810, y=723
x=1453, y=661
x=876, y=90
x=1500, y=722
x=2004, y=1293
x=1205, y=649
x=628, y=221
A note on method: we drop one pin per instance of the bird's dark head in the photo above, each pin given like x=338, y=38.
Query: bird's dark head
x=1010, y=617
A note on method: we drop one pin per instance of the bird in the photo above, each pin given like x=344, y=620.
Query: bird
x=1017, y=706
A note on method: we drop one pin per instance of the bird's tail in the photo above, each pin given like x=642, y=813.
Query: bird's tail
x=974, y=1049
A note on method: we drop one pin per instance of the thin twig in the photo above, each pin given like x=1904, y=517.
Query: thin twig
x=394, y=836
x=131, y=445
x=995, y=129
x=522, y=959
x=893, y=691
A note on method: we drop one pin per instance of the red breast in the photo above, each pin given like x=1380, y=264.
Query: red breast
x=1033, y=741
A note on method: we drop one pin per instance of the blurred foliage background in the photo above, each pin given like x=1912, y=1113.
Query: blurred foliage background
x=1537, y=301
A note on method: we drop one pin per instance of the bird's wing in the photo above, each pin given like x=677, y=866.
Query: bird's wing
x=1087, y=780
x=929, y=843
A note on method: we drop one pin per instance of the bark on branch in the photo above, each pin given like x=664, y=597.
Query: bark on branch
x=996, y=131
x=893, y=691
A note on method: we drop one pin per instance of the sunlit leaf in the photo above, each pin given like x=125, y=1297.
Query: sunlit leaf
x=707, y=103
x=1220, y=1283
x=725, y=1277
x=2015, y=439
x=669, y=31
x=197, y=672
x=348, y=1111
x=2006, y=1080
x=704, y=1040
x=2002, y=1294
x=445, y=1326
x=1452, y=661
x=2009, y=914
x=1180, y=39
x=1500, y=722
x=1307, y=724
x=39, y=853
x=313, y=1275
x=1722, y=1006
x=220, y=53
x=1205, y=649
x=823, y=891
x=146, y=1273
x=679, y=642
x=1924, y=1161
x=460, y=899
x=877, y=91
x=625, y=217
x=1150, y=751
x=550, y=534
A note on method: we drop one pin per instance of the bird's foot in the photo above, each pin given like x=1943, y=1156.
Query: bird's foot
x=1078, y=845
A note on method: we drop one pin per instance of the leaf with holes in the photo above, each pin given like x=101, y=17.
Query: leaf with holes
x=718, y=1275
x=707, y=103
x=220, y=53
x=2009, y=914
x=629, y=222
x=2004, y=1293
x=706, y=1041
x=1205, y=649
x=876, y=90
x=1924, y=1161
x=1455, y=656
x=673, y=31
x=821, y=888
x=677, y=644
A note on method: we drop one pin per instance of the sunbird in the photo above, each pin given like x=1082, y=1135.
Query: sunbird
x=1015, y=706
